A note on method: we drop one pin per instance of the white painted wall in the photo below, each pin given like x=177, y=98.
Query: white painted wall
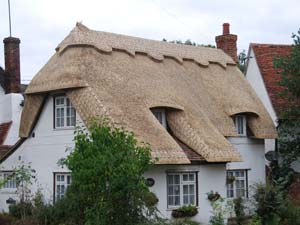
x=42, y=151
x=210, y=177
x=255, y=79
x=253, y=155
x=10, y=110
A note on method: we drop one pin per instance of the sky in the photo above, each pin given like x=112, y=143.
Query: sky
x=42, y=24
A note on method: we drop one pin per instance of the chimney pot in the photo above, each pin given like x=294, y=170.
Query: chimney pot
x=12, y=65
x=226, y=28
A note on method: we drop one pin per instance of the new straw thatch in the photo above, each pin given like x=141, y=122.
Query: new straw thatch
x=124, y=77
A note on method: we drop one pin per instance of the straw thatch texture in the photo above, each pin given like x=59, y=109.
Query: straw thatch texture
x=123, y=77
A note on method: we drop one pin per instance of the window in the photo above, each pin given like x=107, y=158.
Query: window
x=11, y=182
x=240, y=124
x=160, y=115
x=237, y=183
x=61, y=182
x=181, y=189
x=64, y=112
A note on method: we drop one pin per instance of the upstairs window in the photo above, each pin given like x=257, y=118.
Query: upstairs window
x=160, y=115
x=64, y=113
x=240, y=125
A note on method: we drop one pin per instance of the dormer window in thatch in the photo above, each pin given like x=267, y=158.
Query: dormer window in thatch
x=240, y=122
x=160, y=115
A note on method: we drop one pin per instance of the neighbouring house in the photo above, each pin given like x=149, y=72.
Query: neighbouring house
x=264, y=79
x=11, y=98
x=191, y=104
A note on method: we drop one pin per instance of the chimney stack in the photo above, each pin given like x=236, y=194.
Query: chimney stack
x=227, y=42
x=12, y=65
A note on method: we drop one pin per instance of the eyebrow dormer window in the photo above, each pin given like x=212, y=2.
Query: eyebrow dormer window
x=160, y=115
x=240, y=125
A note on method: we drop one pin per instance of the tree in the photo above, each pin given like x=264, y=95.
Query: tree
x=189, y=42
x=107, y=167
x=289, y=123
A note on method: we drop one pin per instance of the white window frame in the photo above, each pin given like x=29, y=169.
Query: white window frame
x=160, y=115
x=181, y=184
x=240, y=122
x=234, y=187
x=11, y=184
x=61, y=185
x=64, y=117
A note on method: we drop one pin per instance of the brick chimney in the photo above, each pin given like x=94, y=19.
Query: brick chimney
x=12, y=65
x=227, y=42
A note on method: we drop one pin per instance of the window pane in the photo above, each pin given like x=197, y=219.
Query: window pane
x=185, y=189
x=185, y=199
x=185, y=177
x=177, y=179
x=177, y=200
x=191, y=177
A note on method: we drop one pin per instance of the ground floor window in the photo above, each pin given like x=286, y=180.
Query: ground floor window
x=237, y=183
x=10, y=180
x=182, y=189
x=61, y=183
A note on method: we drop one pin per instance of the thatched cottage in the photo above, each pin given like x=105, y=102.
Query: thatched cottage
x=191, y=104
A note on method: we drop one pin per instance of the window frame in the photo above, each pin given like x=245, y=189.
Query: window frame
x=8, y=173
x=181, y=184
x=234, y=188
x=65, y=174
x=244, y=124
x=65, y=116
x=163, y=114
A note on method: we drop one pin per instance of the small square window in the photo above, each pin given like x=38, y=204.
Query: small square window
x=10, y=180
x=62, y=181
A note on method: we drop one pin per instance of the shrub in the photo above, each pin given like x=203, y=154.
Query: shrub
x=21, y=209
x=151, y=199
x=239, y=210
x=185, y=211
x=268, y=200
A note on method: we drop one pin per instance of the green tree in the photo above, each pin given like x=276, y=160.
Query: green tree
x=289, y=124
x=108, y=186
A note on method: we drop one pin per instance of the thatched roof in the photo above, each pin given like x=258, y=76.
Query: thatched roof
x=123, y=77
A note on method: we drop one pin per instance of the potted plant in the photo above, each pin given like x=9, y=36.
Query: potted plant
x=185, y=211
x=213, y=196
x=230, y=179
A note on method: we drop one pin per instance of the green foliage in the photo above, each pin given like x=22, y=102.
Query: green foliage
x=239, y=210
x=107, y=167
x=151, y=199
x=290, y=78
x=290, y=213
x=185, y=211
x=213, y=196
x=268, y=202
x=255, y=220
x=189, y=42
x=219, y=210
x=242, y=57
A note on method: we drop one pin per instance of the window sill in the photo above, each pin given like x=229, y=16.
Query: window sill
x=64, y=128
x=177, y=207
x=8, y=191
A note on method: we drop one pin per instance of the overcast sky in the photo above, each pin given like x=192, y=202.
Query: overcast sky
x=42, y=24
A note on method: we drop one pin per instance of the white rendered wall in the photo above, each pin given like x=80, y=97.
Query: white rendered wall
x=255, y=79
x=211, y=177
x=10, y=111
x=43, y=152
x=253, y=155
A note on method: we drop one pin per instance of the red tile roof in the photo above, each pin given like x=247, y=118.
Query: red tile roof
x=264, y=54
x=4, y=128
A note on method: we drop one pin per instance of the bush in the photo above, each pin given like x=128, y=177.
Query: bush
x=185, y=211
x=290, y=214
x=151, y=199
x=268, y=200
x=21, y=210
x=239, y=210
